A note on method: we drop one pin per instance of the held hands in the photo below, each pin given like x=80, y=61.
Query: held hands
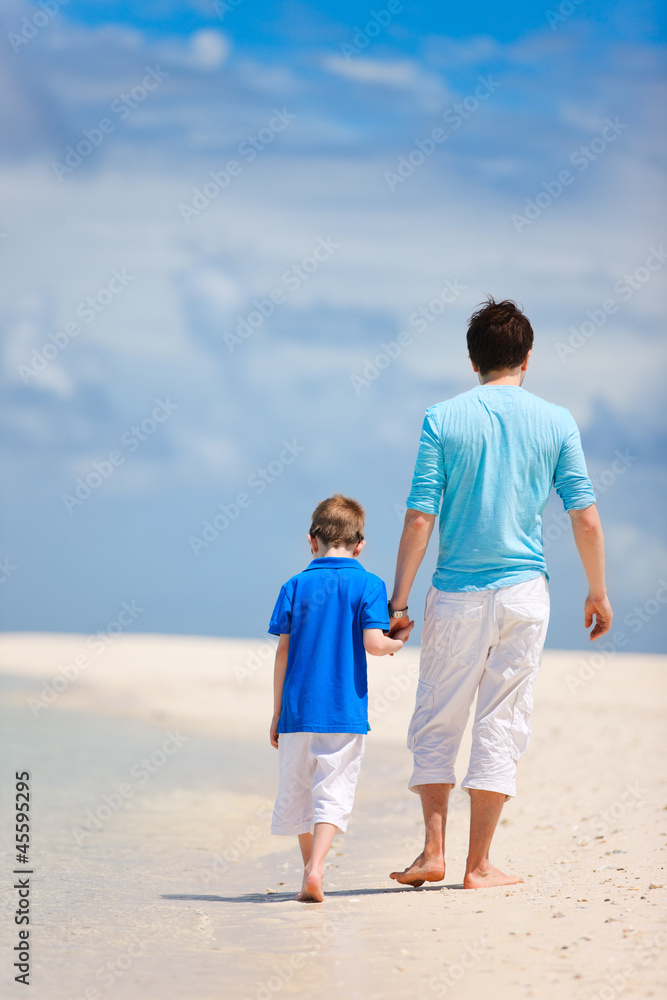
x=403, y=631
x=273, y=732
x=399, y=630
x=601, y=609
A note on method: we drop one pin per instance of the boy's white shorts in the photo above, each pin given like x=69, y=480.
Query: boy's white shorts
x=486, y=643
x=318, y=778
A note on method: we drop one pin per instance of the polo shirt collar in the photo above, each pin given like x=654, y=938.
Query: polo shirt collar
x=335, y=562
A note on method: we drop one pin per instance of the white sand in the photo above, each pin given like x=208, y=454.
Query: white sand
x=181, y=891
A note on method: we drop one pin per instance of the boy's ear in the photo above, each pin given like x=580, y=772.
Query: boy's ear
x=312, y=541
x=474, y=366
x=357, y=548
x=525, y=362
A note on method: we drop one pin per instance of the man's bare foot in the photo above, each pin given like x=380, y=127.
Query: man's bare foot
x=488, y=877
x=421, y=870
x=312, y=889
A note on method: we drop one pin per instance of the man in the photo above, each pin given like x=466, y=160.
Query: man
x=490, y=456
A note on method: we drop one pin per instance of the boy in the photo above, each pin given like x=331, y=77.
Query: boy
x=327, y=618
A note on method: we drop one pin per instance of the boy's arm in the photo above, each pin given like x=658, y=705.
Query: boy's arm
x=590, y=545
x=378, y=644
x=280, y=666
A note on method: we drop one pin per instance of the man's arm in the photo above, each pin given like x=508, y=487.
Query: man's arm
x=417, y=530
x=279, y=669
x=589, y=540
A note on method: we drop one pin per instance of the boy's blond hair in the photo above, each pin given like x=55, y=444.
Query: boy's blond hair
x=338, y=520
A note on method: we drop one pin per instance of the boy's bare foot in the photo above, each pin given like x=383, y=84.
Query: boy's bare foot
x=488, y=877
x=421, y=870
x=312, y=889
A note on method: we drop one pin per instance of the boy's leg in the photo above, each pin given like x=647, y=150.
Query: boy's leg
x=312, y=889
x=337, y=763
x=293, y=811
x=306, y=846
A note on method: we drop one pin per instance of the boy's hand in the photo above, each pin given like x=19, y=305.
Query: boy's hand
x=273, y=732
x=403, y=633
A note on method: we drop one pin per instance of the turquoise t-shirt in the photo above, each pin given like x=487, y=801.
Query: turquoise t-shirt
x=490, y=456
x=325, y=610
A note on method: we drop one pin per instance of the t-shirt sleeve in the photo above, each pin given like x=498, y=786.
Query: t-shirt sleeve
x=281, y=619
x=571, y=476
x=374, y=613
x=428, y=481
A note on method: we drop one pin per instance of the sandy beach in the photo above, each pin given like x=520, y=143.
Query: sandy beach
x=155, y=875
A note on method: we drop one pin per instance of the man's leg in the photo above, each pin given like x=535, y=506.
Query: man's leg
x=501, y=730
x=454, y=649
x=485, y=809
x=430, y=865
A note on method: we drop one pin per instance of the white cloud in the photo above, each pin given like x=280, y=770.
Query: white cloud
x=398, y=73
x=218, y=290
x=427, y=88
x=209, y=48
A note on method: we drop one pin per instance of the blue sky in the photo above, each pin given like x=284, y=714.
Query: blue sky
x=335, y=217
x=262, y=22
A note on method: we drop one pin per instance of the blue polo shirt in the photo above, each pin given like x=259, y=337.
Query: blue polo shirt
x=324, y=610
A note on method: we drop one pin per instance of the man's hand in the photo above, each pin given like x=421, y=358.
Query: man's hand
x=404, y=631
x=589, y=540
x=601, y=609
x=399, y=630
x=273, y=732
x=397, y=625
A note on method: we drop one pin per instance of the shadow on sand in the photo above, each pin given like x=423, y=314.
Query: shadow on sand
x=286, y=897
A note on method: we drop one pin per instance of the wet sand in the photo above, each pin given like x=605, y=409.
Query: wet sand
x=156, y=875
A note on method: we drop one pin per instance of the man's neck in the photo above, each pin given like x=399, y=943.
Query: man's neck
x=503, y=378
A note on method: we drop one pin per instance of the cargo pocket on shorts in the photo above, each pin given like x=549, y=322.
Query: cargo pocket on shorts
x=520, y=728
x=423, y=711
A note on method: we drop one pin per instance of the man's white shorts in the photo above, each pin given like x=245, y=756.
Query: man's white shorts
x=318, y=778
x=486, y=643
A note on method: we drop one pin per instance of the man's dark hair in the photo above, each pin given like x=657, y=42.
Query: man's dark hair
x=499, y=336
